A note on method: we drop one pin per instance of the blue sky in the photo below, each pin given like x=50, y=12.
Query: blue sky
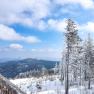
x=35, y=28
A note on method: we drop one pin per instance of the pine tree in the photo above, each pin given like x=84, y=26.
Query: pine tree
x=71, y=39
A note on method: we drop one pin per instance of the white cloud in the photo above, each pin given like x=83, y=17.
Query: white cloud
x=41, y=25
x=47, y=50
x=58, y=25
x=7, y=33
x=40, y=9
x=16, y=46
x=31, y=39
x=30, y=12
x=89, y=26
x=51, y=53
x=15, y=51
x=15, y=11
x=87, y=4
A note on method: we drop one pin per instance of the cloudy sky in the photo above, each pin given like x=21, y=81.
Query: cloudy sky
x=34, y=28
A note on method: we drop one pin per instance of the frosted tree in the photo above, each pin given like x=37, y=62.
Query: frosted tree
x=88, y=60
x=76, y=60
x=61, y=69
x=71, y=39
x=56, y=68
x=44, y=71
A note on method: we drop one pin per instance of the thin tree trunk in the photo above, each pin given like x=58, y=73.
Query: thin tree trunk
x=75, y=75
x=67, y=72
x=66, y=81
x=89, y=83
x=62, y=78
x=85, y=75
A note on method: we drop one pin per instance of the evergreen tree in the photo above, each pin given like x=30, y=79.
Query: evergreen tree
x=71, y=39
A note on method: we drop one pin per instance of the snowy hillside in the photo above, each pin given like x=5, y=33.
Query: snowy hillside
x=50, y=85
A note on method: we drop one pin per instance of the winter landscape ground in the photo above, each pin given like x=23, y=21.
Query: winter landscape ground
x=49, y=85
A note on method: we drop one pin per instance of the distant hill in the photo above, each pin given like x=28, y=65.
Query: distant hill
x=12, y=68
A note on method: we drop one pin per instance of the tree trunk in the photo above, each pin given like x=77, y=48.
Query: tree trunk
x=61, y=79
x=85, y=76
x=75, y=75
x=67, y=71
x=89, y=83
x=66, y=81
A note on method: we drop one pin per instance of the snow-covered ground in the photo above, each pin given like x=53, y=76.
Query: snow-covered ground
x=51, y=85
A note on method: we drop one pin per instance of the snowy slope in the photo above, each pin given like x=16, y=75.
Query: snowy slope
x=51, y=85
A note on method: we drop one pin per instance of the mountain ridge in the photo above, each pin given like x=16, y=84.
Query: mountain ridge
x=12, y=68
